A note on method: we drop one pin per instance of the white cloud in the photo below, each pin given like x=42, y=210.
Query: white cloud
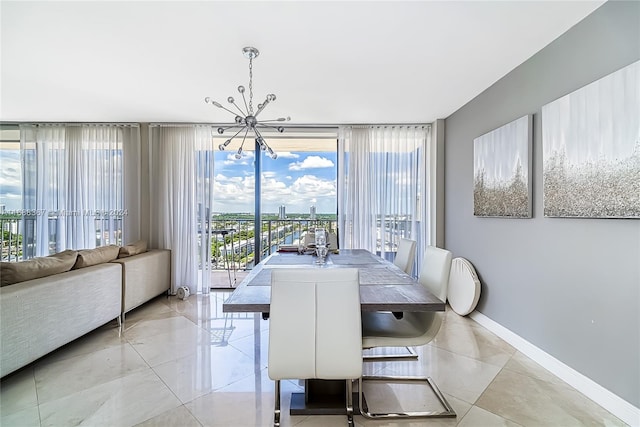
x=10, y=179
x=310, y=187
x=235, y=194
x=287, y=155
x=247, y=158
x=311, y=162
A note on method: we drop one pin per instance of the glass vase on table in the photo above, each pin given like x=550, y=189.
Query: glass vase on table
x=321, y=245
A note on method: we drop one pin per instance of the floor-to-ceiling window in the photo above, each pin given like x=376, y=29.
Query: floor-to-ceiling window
x=297, y=190
x=62, y=187
x=10, y=193
x=385, y=177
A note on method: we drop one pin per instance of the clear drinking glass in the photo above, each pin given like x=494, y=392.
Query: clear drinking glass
x=321, y=237
x=321, y=245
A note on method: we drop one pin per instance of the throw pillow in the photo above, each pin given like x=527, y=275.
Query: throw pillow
x=133, y=249
x=89, y=257
x=35, y=268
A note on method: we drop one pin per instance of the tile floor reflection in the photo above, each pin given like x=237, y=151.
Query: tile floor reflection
x=186, y=363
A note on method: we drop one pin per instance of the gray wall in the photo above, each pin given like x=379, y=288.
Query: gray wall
x=571, y=287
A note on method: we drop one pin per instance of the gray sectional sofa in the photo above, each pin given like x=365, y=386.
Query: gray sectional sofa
x=42, y=314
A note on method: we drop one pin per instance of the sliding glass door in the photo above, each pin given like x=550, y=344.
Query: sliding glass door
x=271, y=202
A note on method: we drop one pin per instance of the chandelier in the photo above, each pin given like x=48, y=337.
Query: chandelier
x=247, y=121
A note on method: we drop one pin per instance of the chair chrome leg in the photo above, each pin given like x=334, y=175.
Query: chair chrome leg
x=276, y=414
x=120, y=326
x=378, y=357
x=447, y=413
x=350, y=403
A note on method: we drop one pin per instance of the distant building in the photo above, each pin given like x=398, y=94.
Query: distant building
x=2, y=208
x=282, y=212
x=312, y=212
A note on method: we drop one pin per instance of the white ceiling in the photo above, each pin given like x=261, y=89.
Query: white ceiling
x=327, y=62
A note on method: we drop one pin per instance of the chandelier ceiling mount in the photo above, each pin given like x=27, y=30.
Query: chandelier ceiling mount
x=248, y=121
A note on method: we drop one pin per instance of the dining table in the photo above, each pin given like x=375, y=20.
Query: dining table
x=383, y=287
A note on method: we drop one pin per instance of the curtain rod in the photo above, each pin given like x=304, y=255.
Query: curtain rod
x=290, y=126
x=71, y=124
x=300, y=126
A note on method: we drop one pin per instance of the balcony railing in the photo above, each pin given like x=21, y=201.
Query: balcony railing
x=18, y=239
x=233, y=240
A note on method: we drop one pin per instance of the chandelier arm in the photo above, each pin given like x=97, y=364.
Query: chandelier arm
x=241, y=129
x=264, y=125
x=239, y=109
x=261, y=137
x=267, y=148
x=231, y=127
x=244, y=99
x=245, y=136
x=243, y=140
x=279, y=119
x=224, y=108
x=262, y=107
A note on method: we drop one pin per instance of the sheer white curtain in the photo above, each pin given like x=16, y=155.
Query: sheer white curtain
x=384, y=187
x=181, y=169
x=73, y=185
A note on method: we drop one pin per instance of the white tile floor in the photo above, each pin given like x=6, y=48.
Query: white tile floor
x=185, y=363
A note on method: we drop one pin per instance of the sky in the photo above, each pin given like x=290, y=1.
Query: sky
x=297, y=180
x=10, y=179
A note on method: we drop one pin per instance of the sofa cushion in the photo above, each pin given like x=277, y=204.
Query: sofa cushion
x=133, y=249
x=16, y=272
x=89, y=257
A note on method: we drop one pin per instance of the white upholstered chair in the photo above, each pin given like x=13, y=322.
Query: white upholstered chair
x=405, y=255
x=332, y=241
x=381, y=329
x=404, y=260
x=309, y=239
x=315, y=328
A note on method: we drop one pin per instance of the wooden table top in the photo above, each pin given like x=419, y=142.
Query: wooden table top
x=383, y=286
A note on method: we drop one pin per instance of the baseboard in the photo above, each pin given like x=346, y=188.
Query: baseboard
x=594, y=391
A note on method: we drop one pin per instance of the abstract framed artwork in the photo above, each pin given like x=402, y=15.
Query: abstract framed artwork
x=591, y=149
x=502, y=171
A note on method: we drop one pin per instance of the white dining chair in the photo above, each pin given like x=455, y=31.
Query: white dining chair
x=404, y=259
x=332, y=241
x=382, y=329
x=315, y=328
x=405, y=255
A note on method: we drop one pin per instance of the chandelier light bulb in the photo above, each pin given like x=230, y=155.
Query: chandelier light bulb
x=248, y=118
